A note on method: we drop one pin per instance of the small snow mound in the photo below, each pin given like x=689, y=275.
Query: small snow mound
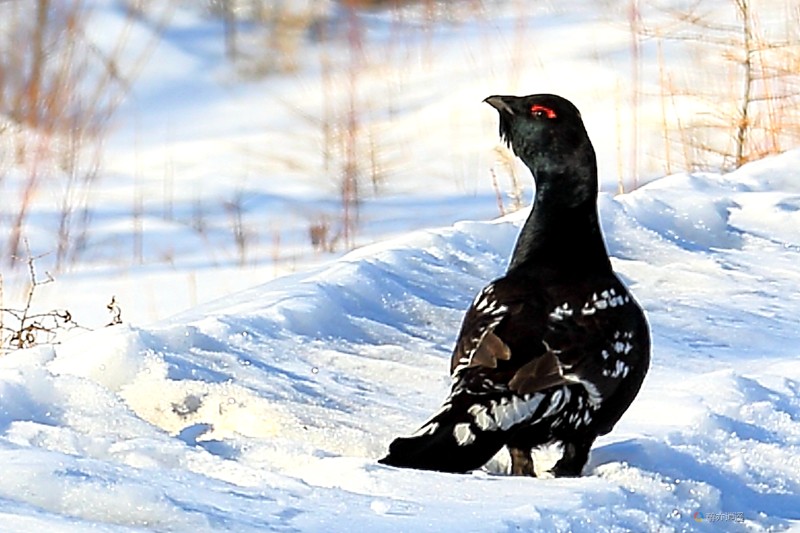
x=689, y=211
x=779, y=173
x=114, y=365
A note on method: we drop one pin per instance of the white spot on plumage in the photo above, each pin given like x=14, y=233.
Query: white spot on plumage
x=594, y=393
x=463, y=434
x=607, y=298
x=486, y=303
x=619, y=369
x=622, y=347
x=560, y=312
x=462, y=364
x=508, y=413
x=482, y=295
x=557, y=401
x=556, y=397
x=483, y=419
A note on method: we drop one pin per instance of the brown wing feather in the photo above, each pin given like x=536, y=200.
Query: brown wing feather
x=546, y=345
x=541, y=373
x=500, y=306
x=490, y=350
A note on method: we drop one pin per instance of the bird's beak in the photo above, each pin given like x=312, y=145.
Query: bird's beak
x=499, y=103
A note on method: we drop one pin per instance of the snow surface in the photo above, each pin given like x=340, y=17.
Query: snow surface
x=266, y=408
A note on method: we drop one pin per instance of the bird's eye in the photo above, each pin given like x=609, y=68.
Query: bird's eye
x=540, y=111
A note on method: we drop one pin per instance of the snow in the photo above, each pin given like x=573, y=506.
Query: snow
x=267, y=409
x=236, y=399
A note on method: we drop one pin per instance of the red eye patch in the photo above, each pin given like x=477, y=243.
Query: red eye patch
x=542, y=111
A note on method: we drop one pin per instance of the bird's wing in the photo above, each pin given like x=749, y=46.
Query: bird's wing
x=478, y=344
x=581, y=340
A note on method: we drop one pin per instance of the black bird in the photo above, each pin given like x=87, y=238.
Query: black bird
x=556, y=350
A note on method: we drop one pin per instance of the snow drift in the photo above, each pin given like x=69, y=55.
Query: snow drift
x=266, y=410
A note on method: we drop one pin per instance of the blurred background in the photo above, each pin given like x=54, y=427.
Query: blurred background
x=169, y=152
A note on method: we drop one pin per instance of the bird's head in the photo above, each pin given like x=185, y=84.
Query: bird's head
x=546, y=131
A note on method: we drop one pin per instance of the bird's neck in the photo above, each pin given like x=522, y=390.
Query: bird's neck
x=561, y=235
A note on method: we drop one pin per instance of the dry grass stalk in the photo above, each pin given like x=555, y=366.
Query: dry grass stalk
x=753, y=107
x=497, y=193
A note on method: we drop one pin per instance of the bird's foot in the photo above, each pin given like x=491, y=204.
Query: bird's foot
x=521, y=462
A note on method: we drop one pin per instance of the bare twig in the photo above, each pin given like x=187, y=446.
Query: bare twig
x=497, y=193
x=26, y=328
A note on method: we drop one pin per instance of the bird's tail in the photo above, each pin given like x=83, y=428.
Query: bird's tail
x=463, y=435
